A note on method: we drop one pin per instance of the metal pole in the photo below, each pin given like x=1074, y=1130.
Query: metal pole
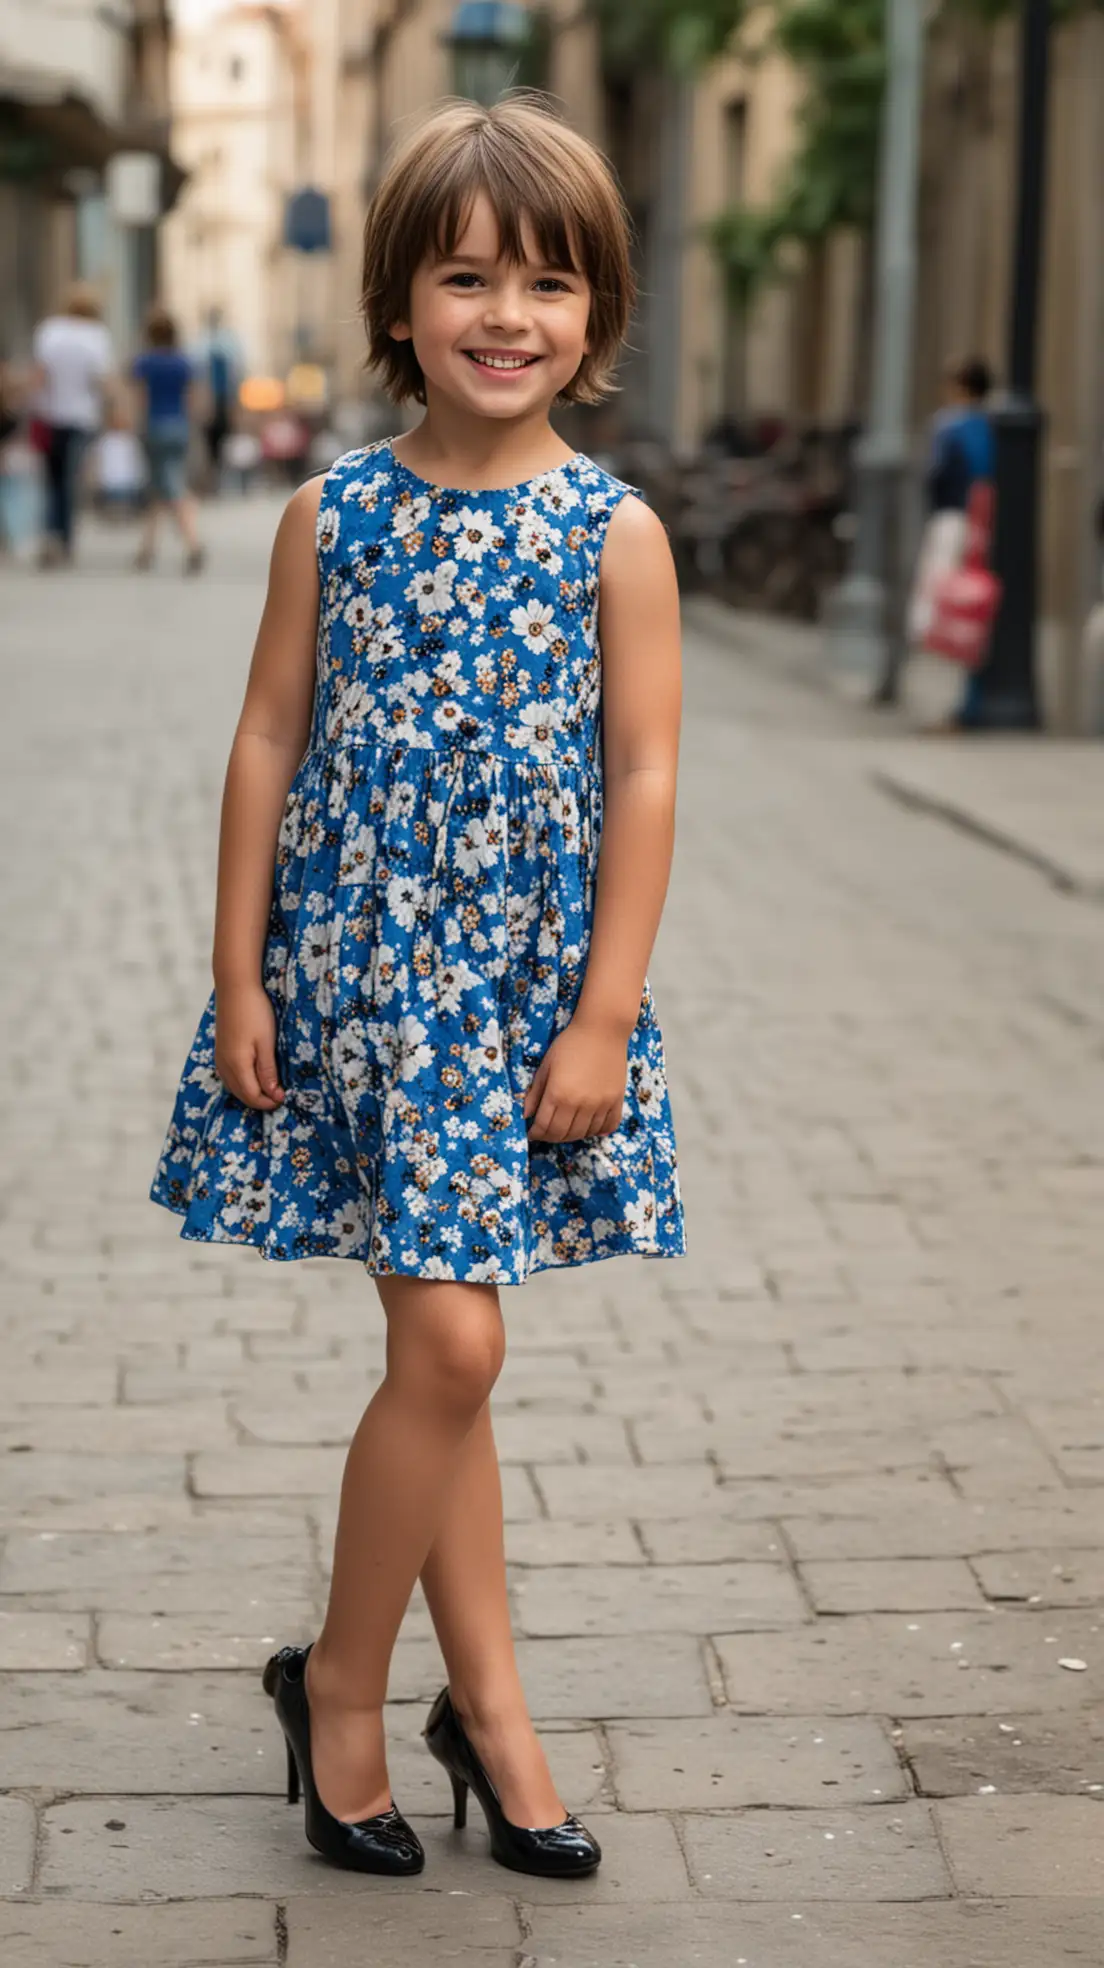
x=1007, y=695
x=863, y=622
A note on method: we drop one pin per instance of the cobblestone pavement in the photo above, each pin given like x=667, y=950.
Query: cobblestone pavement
x=806, y=1531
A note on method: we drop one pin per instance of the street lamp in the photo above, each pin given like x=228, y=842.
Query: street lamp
x=489, y=40
x=1007, y=697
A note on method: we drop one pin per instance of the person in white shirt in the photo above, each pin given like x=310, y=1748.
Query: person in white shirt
x=73, y=363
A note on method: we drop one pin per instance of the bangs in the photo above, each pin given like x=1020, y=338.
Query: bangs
x=518, y=199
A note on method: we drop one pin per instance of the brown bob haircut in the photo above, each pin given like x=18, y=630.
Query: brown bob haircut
x=533, y=167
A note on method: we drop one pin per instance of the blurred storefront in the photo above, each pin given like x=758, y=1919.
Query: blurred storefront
x=86, y=172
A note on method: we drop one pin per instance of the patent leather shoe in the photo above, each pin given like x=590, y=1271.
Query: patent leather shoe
x=383, y=1844
x=563, y=1851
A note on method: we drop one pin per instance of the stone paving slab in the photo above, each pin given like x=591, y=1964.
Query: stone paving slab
x=730, y=1762
x=238, y=1933
x=17, y=1846
x=656, y=1599
x=43, y=1641
x=929, y=1664
x=1029, y=1847
x=800, y=1935
x=176, y=1643
x=1042, y=1578
x=889, y=1853
x=968, y=1754
x=402, y=1933
x=902, y=1585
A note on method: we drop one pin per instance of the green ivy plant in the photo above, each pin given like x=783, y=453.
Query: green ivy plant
x=683, y=35
x=831, y=179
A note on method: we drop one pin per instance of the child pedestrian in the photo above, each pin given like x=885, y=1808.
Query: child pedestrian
x=120, y=467
x=432, y=1046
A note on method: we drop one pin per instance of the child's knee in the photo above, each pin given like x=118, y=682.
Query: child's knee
x=452, y=1358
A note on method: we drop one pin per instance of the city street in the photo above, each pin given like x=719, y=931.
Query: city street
x=807, y=1530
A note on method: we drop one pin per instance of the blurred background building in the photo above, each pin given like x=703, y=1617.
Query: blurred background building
x=86, y=172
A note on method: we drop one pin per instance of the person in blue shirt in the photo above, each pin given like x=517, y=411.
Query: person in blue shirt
x=963, y=448
x=219, y=364
x=962, y=455
x=164, y=375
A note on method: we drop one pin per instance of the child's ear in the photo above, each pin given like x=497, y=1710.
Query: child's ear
x=399, y=331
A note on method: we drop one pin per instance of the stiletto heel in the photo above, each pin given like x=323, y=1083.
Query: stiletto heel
x=384, y=1844
x=563, y=1851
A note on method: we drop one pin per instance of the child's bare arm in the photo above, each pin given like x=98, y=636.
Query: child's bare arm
x=580, y=1086
x=269, y=743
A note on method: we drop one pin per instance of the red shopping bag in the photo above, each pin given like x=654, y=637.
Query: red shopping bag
x=966, y=601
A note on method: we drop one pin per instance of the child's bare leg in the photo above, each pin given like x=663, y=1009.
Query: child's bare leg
x=183, y=511
x=464, y=1579
x=444, y=1351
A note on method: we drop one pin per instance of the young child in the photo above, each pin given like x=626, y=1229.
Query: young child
x=120, y=467
x=432, y=1046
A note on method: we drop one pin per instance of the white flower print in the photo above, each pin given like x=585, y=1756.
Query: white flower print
x=536, y=542
x=536, y=623
x=536, y=729
x=413, y=1052
x=473, y=532
x=405, y=897
x=479, y=846
x=410, y=515
x=358, y=854
x=451, y=982
x=329, y=528
x=358, y=613
x=431, y=587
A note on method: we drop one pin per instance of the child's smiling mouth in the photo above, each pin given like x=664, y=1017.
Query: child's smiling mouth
x=502, y=361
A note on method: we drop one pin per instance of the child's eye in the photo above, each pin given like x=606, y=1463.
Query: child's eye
x=462, y=280
x=549, y=284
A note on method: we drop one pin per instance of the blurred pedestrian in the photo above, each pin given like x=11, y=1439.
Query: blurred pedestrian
x=219, y=364
x=165, y=376
x=241, y=455
x=403, y=1063
x=74, y=363
x=119, y=467
x=18, y=463
x=962, y=454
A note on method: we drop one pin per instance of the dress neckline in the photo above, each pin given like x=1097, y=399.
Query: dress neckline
x=429, y=488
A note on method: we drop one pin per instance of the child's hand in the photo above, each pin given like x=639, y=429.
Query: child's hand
x=245, y=1046
x=578, y=1089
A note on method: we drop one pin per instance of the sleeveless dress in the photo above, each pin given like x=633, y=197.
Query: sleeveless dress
x=432, y=907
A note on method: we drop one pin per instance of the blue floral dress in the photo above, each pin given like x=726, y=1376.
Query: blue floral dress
x=432, y=907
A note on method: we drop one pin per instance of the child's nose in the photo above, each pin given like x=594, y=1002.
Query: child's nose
x=507, y=309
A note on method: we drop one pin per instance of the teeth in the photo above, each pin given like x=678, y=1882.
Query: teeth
x=500, y=361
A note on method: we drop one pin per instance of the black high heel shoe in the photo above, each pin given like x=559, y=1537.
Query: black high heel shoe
x=383, y=1844
x=563, y=1851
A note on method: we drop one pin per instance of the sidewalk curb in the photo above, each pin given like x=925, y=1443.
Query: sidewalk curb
x=924, y=801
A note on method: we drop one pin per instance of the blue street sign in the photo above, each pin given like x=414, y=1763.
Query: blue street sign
x=307, y=221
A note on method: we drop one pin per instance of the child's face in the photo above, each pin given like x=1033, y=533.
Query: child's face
x=470, y=313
